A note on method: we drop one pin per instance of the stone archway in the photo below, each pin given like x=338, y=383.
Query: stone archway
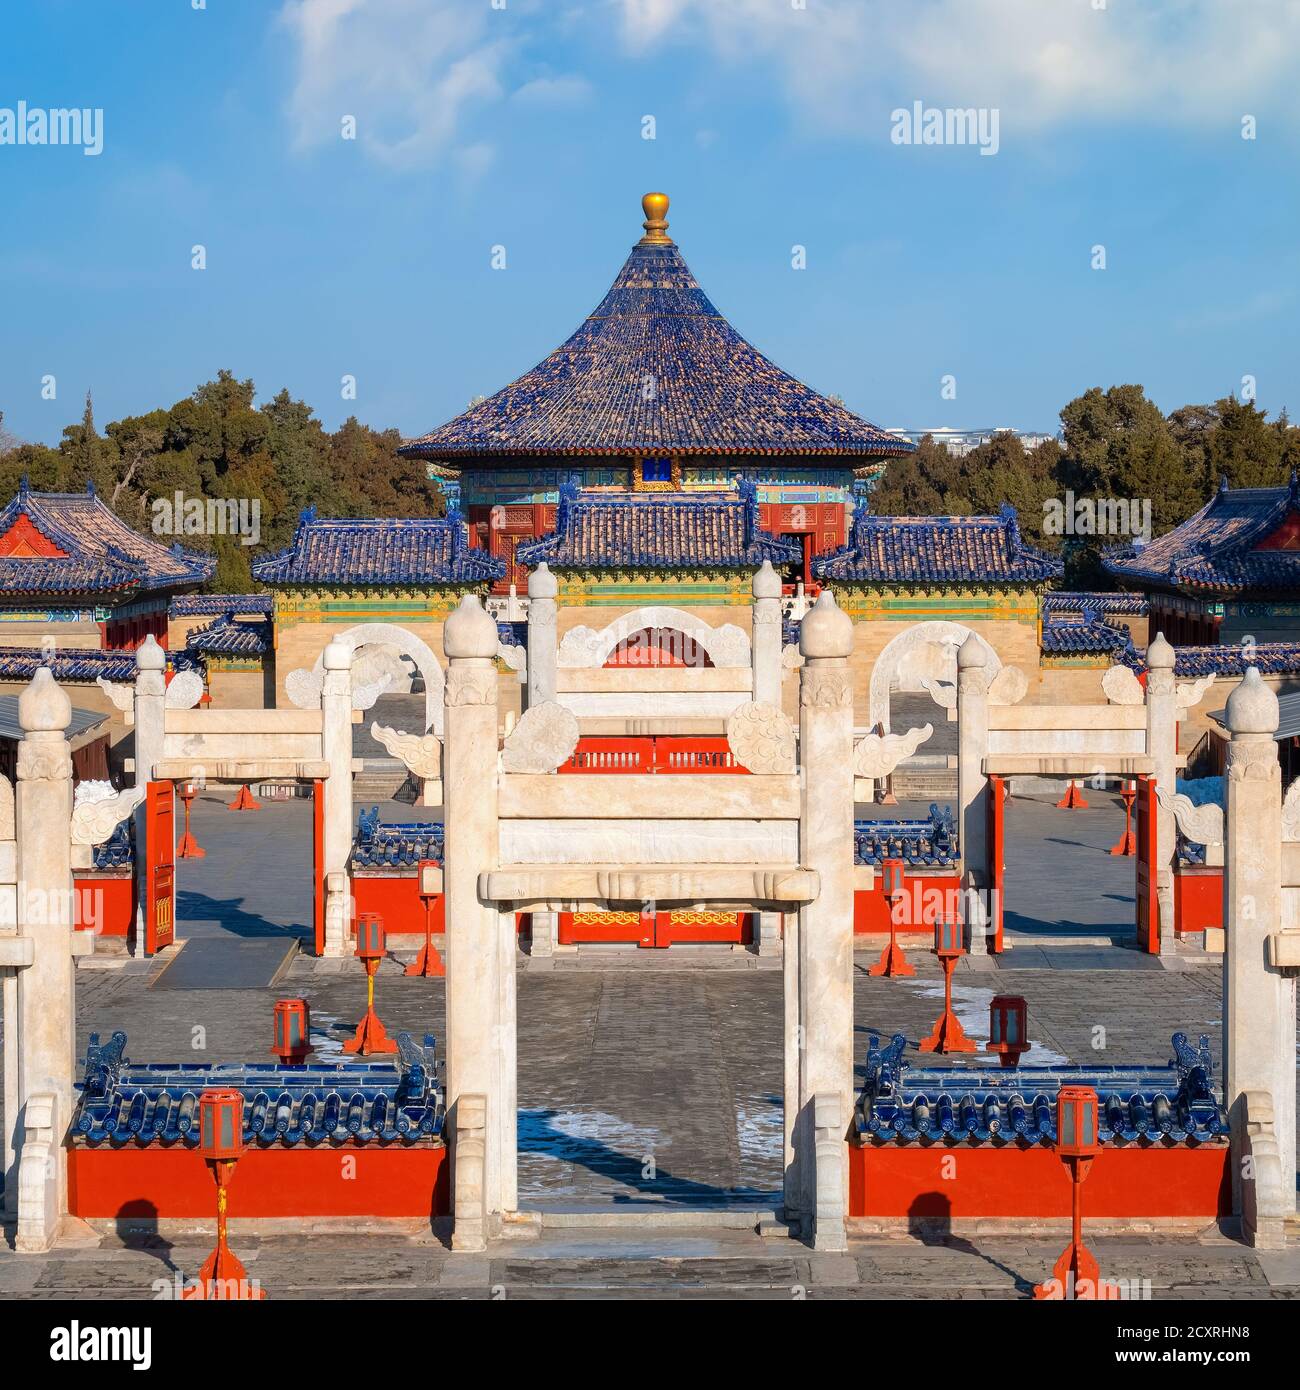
x=726, y=645
x=408, y=644
x=921, y=653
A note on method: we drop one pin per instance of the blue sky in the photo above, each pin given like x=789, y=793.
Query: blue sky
x=522, y=127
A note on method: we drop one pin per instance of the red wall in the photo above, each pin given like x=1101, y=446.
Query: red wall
x=1019, y=1180
x=369, y=1180
x=929, y=892
x=1198, y=899
x=115, y=909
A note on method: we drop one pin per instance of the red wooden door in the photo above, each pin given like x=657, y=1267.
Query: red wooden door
x=160, y=866
x=1148, y=905
x=318, y=863
x=997, y=869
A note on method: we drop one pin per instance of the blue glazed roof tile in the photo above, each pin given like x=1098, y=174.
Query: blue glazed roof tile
x=397, y=845
x=1215, y=550
x=397, y=1101
x=658, y=530
x=937, y=549
x=102, y=554
x=1073, y=601
x=656, y=369
x=200, y=605
x=928, y=844
x=1171, y=1104
x=1084, y=635
x=225, y=636
x=379, y=550
x=67, y=664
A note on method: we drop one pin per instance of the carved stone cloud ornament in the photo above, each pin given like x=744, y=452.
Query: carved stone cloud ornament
x=544, y=737
x=878, y=755
x=761, y=737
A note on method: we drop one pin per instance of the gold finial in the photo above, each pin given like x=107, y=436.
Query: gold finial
x=655, y=207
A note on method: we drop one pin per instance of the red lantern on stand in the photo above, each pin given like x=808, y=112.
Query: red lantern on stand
x=429, y=962
x=892, y=960
x=221, y=1145
x=188, y=847
x=370, y=1035
x=1008, y=1028
x=292, y=1031
x=1076, y=1274
x=1127, y=844
x=948, y=1035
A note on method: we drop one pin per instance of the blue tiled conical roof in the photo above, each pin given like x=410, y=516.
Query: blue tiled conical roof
x=656, y=369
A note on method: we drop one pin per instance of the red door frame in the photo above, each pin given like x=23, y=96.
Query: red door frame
x=1148, y=903
x=996, y=869
x=160, y=866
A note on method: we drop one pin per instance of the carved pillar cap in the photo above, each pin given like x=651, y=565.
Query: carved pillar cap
x=1160, y=655
x=826, y=630
x=542, y=583
x=1252, y=706
x=470, y=632
x=767, y=583
x=44, y=706
x=149, y=656
x=971, y=653
x=337, y=656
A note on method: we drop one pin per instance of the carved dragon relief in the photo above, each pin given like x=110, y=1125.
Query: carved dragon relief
x=878, y=755
x=418, y=753
x=761, y=737
x=544, y=737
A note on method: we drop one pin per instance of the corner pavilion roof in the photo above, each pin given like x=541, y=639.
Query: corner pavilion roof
x=711, y=392
x=1243, y=539
x=70, y=543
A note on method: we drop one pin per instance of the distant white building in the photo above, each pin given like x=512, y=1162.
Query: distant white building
x=963, y=441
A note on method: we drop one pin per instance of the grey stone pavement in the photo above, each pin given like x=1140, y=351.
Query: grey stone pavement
x=650, y=1084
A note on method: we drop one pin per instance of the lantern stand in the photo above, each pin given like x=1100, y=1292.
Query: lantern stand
x=221, y=1145
x=948, y=1035
x=370, y=1036
x=1076, y=1274
x=244, y=800
x=892, y=960
x=1008, y=1031
x=1073, y=798
x=429, y=962
x=292, y=1032
x=1127, y=844
x=188, y=847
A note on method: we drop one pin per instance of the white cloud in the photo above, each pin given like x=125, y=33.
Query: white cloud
x=570, y=90
x=409, y=71
x=1044, y=62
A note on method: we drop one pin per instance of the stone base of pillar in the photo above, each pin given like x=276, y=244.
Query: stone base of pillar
x=831, y=1177
x=38, y=1176
x=977, y=922
x=338, y=916
x=767, y=938
x=545, y=930
x=469, y=1175
x=1267, y=1197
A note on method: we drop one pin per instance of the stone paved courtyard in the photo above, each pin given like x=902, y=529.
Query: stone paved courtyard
x=650, y=1082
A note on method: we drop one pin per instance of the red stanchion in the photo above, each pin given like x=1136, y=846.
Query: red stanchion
x=892, y=960
x=187, y=847
x=370, y=1036
x=1127, y=844
x=244, y=801
x=429, y=963
x=948, y=1035
x=1073, y=799
x=221, y=1145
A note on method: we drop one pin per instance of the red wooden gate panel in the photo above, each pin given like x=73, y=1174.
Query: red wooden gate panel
x=1148, y=905
x=997, y=869
x=318, y=863
x=160, y=866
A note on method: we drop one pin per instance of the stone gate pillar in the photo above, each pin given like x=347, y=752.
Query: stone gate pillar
x=1162, y=743
x=336, y=748
x=542, y=638
x=1259, y=998
x=972, y=784
x=149, y=715
x=825, y=935
x=44, y=1031
x=480, y=1010
x=766, y=636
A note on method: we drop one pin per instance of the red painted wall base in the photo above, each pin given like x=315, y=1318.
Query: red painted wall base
x=368, y=1180
x=928, y=896
x=1198, y=900
x=936, y=1183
